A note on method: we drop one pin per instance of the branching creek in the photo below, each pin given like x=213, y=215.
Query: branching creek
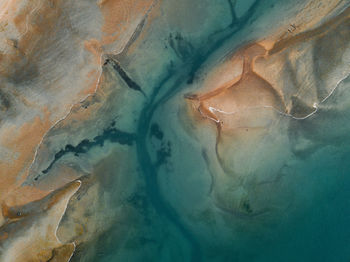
x=163, y=91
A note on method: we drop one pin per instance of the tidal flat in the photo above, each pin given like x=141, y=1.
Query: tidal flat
x=174, y=130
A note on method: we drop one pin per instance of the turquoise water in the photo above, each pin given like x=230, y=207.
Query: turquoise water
x=177, y=212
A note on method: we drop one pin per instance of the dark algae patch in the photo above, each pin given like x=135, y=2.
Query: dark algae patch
x=111, y=134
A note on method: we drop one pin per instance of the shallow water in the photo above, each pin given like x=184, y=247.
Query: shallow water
x=301, y=213
x=301, y=207
x=219, y=132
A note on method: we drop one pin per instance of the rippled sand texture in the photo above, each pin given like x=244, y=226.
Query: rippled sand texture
x=163, y=130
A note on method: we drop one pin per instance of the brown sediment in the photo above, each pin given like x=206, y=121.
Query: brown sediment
x=120, y=13
x=22, y=143
x=228, y=104
x=92, y=81
x=89, y=108
x=23, y=140
x=34, y=34
x=246, y=90
x=62, y=253
x=22, y=195
x=35, y=22
x=95, y=48
x=3, y=236
x=30, y=230
x=91, y=204
x=35, y=25
x=263, y=49
x=34, y=37
x=309, y=34
x=39, y=205
x=61, y=192
x=310, y=17
x=152, y=13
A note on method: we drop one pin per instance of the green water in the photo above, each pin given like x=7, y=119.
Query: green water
x=179, y=218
